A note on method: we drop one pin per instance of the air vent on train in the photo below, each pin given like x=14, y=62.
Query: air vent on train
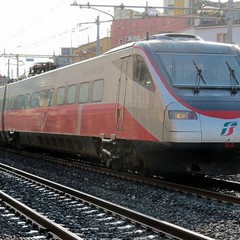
x=176, y=37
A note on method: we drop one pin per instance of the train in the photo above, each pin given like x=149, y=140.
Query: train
x=169, y=103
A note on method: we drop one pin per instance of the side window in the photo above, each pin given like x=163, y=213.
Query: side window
x=15, y=102
x=26, y=100
x=1, y=100
x=97, y=90
x=20, y=101
x=60, y=95
x=141, y=73
x=49, y=96
x=35, y=99
x=45, y=98
x=71, y=94
x=83, y=92
x=10, y=103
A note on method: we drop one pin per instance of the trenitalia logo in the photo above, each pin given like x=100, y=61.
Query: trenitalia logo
x=228, y=128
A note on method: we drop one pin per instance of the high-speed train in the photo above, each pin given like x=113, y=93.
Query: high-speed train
x=170, y=103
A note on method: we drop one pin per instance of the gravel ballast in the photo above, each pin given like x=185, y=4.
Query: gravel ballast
x=211, y=218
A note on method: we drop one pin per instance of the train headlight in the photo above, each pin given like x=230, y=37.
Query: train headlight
x=182, y=115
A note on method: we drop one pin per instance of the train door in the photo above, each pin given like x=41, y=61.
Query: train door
x=121, y=94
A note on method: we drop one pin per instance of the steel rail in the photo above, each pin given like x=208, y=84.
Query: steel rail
x=39, y=219
x=188, y=189
x=194, y=190
x=147, y=221
x=156, y=182
x=165, y=184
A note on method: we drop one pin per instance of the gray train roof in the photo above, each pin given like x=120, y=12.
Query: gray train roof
x=185, y=43
x=179, y=43
x=188, y=47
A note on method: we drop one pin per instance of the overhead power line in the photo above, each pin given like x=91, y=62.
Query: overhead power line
x=122, y=6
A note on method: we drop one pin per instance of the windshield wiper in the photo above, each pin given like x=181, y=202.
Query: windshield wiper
x=233, y=77
x=198, y=78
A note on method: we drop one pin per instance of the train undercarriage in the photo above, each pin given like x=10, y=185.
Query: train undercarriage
x=144, y=158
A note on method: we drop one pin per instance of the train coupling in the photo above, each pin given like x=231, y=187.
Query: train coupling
x=107, y=140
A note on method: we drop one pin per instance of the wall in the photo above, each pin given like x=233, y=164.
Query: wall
x=211, y=33
x=127, y=30
x=88, y=50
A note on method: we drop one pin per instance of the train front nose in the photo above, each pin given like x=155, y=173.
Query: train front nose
x=181, y=125
x=205, y=142
x=207, y=127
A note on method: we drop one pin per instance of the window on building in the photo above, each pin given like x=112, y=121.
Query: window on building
x=66, y=51
x=222, y=37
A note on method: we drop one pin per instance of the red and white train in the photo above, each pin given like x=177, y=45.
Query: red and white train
x=170, y=103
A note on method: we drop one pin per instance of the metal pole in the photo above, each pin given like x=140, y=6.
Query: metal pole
x=17, y=56
x=9, y=68
x=230, y=21
x=98, y=48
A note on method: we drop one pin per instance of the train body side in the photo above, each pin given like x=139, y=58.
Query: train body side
x=73, y=126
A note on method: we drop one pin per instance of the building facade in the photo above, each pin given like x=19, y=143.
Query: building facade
x=216, y=33
x=88, y=50
x=181, y=7
x=128, y=30
x=65, y=58
x=200, y=17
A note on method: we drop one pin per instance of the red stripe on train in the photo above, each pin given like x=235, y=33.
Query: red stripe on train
x=92, y=119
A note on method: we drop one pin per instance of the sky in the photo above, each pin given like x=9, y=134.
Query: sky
x=43, y=27
x=33, y=26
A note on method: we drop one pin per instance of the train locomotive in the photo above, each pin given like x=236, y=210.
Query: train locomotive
x=169, y=103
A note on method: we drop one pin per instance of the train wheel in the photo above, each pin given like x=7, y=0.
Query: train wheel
x=143, y=170
x=118, y=162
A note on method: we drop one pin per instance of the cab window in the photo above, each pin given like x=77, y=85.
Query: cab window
x=141, y=73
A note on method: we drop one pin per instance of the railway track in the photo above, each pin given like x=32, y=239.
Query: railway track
x=188, y=185
x=103, y=218
x=44, y=225
x=182, y=209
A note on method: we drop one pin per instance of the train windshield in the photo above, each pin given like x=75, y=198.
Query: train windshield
x=205, y=70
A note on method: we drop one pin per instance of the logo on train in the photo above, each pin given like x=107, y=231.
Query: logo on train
x=228, y=128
